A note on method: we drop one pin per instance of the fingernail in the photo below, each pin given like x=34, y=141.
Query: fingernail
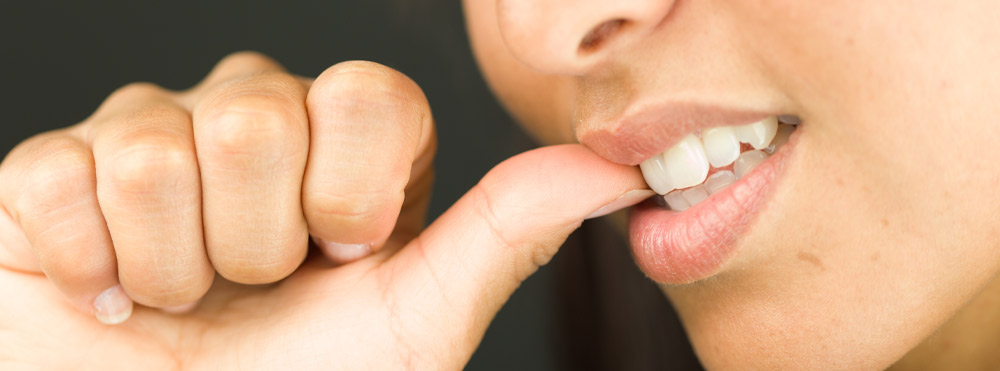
x=625, y=200
x=180, y=309
x=341, y=253
x=113, y=306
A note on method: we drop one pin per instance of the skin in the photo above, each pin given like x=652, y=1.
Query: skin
x=880, y=240
x=880, y=234
x=209, y=195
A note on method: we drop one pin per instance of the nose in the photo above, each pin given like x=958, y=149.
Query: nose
x=571, y=36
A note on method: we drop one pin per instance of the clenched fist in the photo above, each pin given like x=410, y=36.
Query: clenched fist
x=157, y=191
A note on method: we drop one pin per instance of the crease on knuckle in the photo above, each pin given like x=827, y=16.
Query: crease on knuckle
x=73, y=266
x=486, y=207
x=258, y=265
x=165, y=287
x=354, y=207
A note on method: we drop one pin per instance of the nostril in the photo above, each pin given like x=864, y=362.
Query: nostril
x=600, y=35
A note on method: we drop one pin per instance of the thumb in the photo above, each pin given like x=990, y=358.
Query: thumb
x=469, y=261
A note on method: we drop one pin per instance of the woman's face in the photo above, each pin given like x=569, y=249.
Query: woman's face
x=852, y=243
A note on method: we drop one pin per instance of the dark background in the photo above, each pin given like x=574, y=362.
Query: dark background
x=60, y=59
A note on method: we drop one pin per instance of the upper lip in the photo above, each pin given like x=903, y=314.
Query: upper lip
x=644, y=130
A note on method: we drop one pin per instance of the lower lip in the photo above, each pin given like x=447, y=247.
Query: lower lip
x=681, y=247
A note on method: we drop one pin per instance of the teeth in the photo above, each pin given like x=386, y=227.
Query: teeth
x=758, y=134
x=680, y=174
x=676, y=201
x=721, y=179
x=721, y=146
x=695, y=194
x=682, y=166
x=747, y=161
x=780, y=138
x=686, y=163
x=655, y=173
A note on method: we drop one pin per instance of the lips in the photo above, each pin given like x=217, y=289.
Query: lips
x=677, y=247
x=646, y=130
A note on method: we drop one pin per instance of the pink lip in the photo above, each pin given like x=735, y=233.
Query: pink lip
x=681, y=247
x=648, y=129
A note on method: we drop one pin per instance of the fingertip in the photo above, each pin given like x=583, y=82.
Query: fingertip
x=113, y=306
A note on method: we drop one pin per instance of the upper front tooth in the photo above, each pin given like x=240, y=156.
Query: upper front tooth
x=721, y=145
x=686, y=163
x=758, y=134
x=655, y=173
x=682, y=166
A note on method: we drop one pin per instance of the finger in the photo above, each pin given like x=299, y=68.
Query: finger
x=48, y=184
x=233, y=66
x=368, y=126
x=504, y=228
x=149, y=191
x=252, y=140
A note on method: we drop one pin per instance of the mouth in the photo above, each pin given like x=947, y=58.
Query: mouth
x=711, y=183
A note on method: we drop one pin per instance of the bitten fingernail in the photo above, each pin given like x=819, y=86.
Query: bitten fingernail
x=341, y=253
x=113, y=306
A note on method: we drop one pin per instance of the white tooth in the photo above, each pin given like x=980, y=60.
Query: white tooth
x=747, y=161
x=676, y=201
x=695, y=194
x=686, y=163
x=655, y=173
x=721, y=179
x=758, y=134
x=721, y=146
x=780, y=138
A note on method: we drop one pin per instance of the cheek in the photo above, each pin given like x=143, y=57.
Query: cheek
x=887, y=223
x=539, y=102
x=857, y=242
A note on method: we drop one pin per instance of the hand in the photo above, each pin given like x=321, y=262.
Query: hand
x=158, y=189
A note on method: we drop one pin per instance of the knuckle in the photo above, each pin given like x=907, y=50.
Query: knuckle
x=60, y=175
x=251, y=122
x=148, y=161
x=258, y=269
x=258, y=256
x=368, y=79
x=74, y=265
x=165, y=287
x=247, y=59
x=485, y=205
x=136, y=91
x=353, y=208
